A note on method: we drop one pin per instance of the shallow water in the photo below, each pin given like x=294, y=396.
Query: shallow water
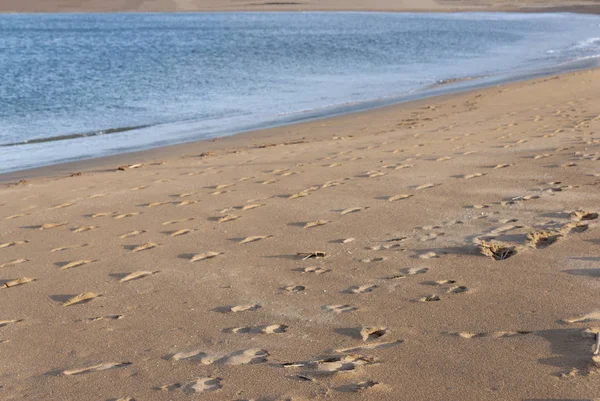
x=86, y=85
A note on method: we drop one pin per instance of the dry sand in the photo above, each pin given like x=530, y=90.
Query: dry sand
x=297, y=5
x=336, y=259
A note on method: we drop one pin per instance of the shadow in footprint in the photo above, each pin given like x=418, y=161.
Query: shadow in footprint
x=557, y=215
x=288, y=257
x=456, y=250
x=353, y=332
x=583, y=272
x=512, y=238
x=62, y=298
x=298, y=224
x=187, y=256
x=588, y=259
x=570, y=350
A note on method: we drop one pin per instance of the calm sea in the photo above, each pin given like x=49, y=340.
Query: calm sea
x=85, y=85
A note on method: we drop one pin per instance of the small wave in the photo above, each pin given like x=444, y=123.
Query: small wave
x=587, y=43
x=76, y=135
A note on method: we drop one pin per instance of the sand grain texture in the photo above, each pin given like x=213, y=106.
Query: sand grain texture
x=391, y=292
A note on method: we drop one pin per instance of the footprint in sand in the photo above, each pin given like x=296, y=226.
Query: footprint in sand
x=426, y=186
x=144, y=247
x=168, y=223
x=196, y=356
x=140, y=187
x=268, y=329
x=254, y=238
x=102, y=214
x=13, y=243
x=76, y=263
x=83, y=229
x=573, y=228
x=429, y=255
x=317, y=223
x=372, y=333
x=331, y=365
x=185, y=194
x=200, y=385
x=543, y=239
x=95, y=368
x=4, y=323
x=430, y=298
x=499, y=166
x=412, y=271
x=136, y=276
x=474, y=175
x=17, y=282
x=358, y=387
x=587, y=318
x=126, y=215
x=238, y=308
x=82, y=298
x=294, y=288
x=374, y=260
x=60, y=206
x=398, y=197
x=498, y=334
x=14, y=262
x=387, y=247
x=244, y=357
x=132, y=234
x=314, y=270
x=374, y=174
x=339, y=308
x=439, y=283
x=403, y=166
x=369, y=347
x=98, y=318
x=430, y=237
x=459, y=289
x=353, y=210
x=48, y=226
x=66, y=248
x=228, y=217
x=187, y=203
x=204, y=256
x=183, y=231
x=312, y=255
x=578, y=215
x=252, y=206
x=497, y=251
x=360, y=289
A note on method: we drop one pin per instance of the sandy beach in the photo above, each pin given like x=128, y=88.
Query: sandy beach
x=445, y=249
x=583, y=6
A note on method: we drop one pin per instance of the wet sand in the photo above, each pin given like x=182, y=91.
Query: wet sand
x=445, y=249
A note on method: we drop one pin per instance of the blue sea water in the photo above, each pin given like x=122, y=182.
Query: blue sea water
x=86, y=85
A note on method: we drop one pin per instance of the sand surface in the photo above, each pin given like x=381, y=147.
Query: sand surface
x=338, y=259
x=297, y=5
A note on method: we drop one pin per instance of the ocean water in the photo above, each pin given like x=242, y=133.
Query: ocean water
x=87, y=85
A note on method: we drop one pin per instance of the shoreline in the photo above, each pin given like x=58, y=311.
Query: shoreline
x=455, y=87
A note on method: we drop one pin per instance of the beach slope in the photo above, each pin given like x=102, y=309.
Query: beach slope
x=445, y=249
